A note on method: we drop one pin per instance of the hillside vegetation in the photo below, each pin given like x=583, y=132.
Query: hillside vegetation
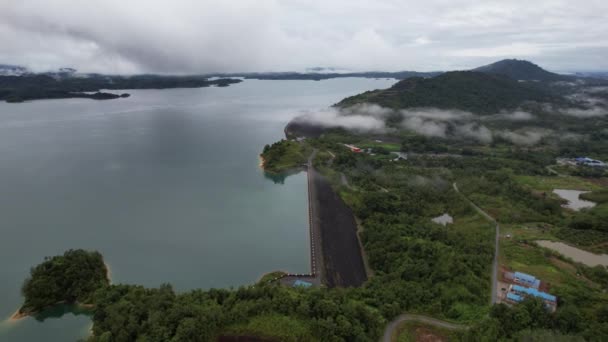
x=464, y=90
x=521, y=70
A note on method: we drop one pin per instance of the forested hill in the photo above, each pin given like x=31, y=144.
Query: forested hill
x=465, y=90
x=522, y=70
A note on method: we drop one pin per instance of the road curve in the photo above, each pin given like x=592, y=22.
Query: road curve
x=392, y=326
x=494, y=295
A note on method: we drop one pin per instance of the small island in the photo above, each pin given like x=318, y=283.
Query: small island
x=283, y=156
x=71, y=278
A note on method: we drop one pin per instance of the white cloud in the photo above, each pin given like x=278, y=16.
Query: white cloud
x=245, y=35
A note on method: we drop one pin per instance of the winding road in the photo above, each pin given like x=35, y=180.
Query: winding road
x=392, y=326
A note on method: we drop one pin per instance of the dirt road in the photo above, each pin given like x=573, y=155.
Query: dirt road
x=392, y=326
x=494, y=296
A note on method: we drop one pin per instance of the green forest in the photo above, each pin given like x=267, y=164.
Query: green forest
x=69, y=278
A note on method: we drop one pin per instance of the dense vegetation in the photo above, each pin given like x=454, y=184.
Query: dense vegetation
x=68, y=278
x=283, y=156
x=128, y=313
x=465, y=90
x=522, y=70
x=42, y=86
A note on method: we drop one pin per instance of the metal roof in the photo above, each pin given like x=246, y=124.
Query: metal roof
x=514, y=297
x=534, y=292
x=524, y=276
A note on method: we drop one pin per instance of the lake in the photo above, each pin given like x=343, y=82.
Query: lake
x=165, y=184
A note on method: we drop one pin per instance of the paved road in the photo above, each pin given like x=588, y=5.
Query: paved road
x=494, y=297
x=316, y=252
x=392, y=326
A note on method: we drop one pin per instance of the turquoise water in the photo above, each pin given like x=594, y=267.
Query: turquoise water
x=165, y=184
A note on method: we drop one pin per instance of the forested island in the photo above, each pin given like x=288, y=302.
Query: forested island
x=69, y=278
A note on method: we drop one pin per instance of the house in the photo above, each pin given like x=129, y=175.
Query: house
x=353, y=148
x=515, y=298
x=526, y=280
x=518, y=293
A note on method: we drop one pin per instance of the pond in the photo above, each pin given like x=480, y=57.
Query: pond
x=443, y=220
x=578, y=255
x=574, y=201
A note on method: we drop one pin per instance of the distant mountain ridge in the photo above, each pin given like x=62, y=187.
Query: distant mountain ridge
x=12, y=70
x=521, y=70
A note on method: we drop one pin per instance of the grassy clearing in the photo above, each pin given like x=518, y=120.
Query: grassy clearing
x=527, y=258
x=529, y=231
x=274, y=327
x=597, y=196
x=416, y=331
x=519, y=253
x=392, y=147
x=544, y=183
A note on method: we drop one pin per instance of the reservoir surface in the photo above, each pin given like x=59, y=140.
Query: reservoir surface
x=165, y=184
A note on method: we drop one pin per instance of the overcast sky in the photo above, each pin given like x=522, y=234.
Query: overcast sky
x=199, y=36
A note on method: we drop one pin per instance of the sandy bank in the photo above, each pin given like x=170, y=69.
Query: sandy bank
x=17, y=316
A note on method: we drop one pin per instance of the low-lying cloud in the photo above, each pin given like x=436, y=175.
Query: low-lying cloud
x=428, y=128
x=361, y=118
x=474, y=131
x=530, y=137
x=586, y=113
x=439, y=123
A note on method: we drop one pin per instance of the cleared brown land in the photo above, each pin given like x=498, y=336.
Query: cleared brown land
x=343, y=263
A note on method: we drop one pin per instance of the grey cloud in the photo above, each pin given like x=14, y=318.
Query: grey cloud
x=436, y=114
x=191, y=36
x=530, y=137
x=586, y=113
x=425, y=127
x=365, y=119
x=478, y=132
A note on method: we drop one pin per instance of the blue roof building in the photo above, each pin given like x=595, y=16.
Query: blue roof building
x=301, y=283
x=512, y=296
x=526, y=279
x=535, y=293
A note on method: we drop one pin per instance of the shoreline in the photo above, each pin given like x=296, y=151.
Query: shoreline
x=18, y=315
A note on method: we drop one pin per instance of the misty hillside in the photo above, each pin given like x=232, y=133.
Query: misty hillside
x=476, y=92
x=521, y=70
